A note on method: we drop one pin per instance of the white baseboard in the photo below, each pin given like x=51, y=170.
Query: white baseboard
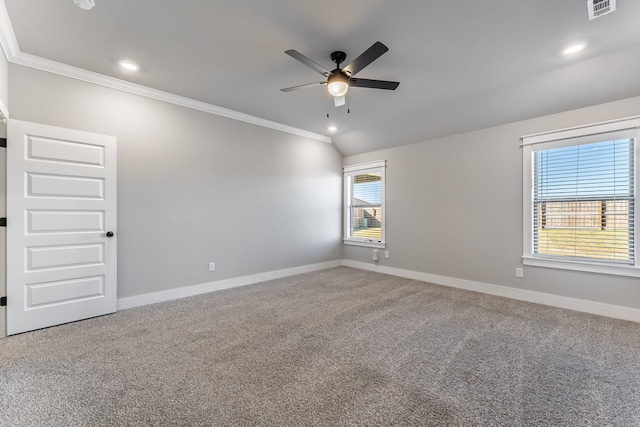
x=602, y=309
x=188, y=291
x=608, y=310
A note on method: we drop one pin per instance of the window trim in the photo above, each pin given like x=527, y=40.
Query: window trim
x=377, y=166
x=528, y=141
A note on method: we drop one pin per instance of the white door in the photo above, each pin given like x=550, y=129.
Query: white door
x=61, y=224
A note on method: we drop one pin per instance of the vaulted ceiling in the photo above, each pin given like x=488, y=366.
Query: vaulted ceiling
x=462, y=64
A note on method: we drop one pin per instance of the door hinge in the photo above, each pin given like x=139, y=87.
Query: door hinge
x=3, y=142
x=3, y=222
x=3, y=301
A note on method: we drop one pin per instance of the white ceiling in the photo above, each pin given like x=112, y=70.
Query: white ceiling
x=461, y=64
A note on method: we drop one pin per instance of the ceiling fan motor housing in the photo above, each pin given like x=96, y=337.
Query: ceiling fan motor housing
x=338, y=57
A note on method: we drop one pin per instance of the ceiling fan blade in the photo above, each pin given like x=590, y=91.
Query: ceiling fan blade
x=374, y=84
x=304, y=86
x=369, y=55
x=339, y=101
x=308, y=62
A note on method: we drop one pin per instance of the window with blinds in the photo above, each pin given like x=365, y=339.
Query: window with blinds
x=580, y=196
x=364, y=204
x=583, y=201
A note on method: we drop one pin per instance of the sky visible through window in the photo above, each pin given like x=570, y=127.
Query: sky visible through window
x=581, y=172
x=369, y=190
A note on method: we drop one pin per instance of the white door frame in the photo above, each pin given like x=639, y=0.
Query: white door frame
x=4, y=114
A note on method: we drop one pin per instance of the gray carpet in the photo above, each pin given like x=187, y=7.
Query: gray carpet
x=336, y=347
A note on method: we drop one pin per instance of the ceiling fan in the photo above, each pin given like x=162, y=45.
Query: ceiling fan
x=339, y=80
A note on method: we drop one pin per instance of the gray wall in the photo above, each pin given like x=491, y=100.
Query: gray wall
x=194, y=187
x=454, y=208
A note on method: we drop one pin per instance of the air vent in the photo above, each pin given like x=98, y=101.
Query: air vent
x=597, y=8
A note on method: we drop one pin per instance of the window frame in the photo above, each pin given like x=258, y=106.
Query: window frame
x=358, y=169
x=556, y=138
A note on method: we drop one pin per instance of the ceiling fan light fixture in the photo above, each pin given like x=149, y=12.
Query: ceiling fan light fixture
x=85, y=4
x=338, y=85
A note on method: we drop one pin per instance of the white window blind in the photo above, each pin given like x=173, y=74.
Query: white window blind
x=583, y=199
x=364, y=204
x=580, y=189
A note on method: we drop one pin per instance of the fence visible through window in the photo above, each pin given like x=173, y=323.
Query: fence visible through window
x=366, y=206
x=586, y=229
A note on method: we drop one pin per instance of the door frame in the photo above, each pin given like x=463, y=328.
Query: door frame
x=3, y=214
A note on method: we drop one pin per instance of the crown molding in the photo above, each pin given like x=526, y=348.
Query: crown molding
x=7, y=36
x=15, y=56
x=54, y=67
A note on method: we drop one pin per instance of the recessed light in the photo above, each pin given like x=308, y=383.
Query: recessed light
x=85, y=4
x=332, y=128
x=577, y=47
x=129, y=66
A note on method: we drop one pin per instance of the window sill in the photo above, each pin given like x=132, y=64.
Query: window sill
x=588, y=267
x=364, y=243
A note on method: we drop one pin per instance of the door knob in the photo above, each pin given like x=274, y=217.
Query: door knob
x=110, y=234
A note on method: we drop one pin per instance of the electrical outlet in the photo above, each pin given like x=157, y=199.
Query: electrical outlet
x=212, y=266
x=519, y=272
x=375, y=255
x=386, y=254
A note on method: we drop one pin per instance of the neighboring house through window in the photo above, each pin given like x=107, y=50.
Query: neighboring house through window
x=364, y=213
x=579, y=198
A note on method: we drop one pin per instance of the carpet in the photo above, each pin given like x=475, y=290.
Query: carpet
x=336, y=347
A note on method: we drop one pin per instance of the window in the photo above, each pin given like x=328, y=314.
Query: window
x=579, y=198
x=364, y=204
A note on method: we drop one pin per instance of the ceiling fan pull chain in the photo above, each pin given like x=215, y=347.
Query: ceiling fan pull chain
x=329, y=98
